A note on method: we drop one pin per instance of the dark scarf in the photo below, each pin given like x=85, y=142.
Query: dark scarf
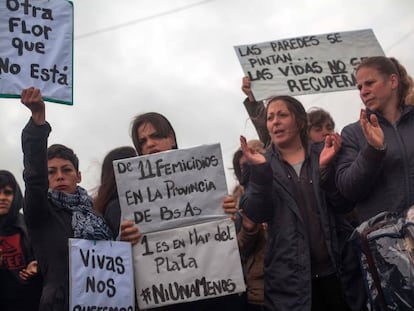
x=86, y=224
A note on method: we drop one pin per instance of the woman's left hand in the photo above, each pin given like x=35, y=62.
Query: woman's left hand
x=129, y=232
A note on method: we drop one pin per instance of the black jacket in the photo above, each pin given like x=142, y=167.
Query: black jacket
x=112, y=215
x=288, y=261
x=48, y=226
x=378, y=180
x=16, y=294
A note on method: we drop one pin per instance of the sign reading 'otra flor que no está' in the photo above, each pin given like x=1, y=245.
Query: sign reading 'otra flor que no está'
x=36, y=48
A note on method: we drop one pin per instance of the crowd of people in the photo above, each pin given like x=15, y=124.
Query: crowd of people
x=302, y=189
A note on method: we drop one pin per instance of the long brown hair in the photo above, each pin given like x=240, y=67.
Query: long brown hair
x=295, y=107
x=160, y=124
x=107, y=188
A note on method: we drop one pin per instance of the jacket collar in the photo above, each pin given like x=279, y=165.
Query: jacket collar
x=405, y=110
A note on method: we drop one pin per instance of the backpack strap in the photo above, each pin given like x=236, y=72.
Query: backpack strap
x=371, y=264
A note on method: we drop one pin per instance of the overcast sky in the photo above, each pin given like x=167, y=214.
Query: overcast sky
x=176, y=57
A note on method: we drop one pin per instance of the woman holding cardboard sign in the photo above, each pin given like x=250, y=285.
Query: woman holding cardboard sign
x=152, y=133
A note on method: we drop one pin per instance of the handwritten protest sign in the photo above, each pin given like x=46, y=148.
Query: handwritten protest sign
x=36, y=48
x=308, y=64
x=101, y=275
x=173, y=188
x=187, y=264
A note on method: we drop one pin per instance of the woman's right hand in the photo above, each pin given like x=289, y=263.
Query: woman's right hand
x=32, y=99
x=252, y=156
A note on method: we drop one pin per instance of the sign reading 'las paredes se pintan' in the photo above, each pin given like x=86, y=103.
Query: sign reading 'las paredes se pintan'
x=306, y=64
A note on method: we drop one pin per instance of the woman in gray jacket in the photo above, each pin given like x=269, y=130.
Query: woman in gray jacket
x=375, y=167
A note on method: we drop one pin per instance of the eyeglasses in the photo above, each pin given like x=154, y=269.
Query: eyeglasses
x=6, y=192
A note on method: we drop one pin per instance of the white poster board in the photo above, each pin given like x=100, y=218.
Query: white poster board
x=308, y=64
x=187, y=264
x=36, y=48
x=173, y=188
x=101, y=275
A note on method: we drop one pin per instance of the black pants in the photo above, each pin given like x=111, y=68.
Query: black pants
x=327, y=294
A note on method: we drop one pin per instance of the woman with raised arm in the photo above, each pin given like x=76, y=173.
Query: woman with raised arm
x=55, y=208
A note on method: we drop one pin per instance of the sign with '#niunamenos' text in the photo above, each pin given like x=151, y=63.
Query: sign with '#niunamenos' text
x=101, y=275
x=36, y=48
x=186, y=264
x=172, y=189
x=307, y=64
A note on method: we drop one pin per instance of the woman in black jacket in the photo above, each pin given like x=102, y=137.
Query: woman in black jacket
x=56, y=207
x=286, y=191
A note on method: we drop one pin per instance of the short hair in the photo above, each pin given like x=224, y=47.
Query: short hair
x=158, y=121
x=318, y=116
x=295, y=107
x=63, y=152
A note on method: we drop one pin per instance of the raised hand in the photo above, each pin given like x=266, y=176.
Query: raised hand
x=372, y=130
x=252, y=156
x=246, y=88
x=32, y=99
x=332, y=146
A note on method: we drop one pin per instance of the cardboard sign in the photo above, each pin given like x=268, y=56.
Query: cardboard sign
x=36, y=48
x=173, y=188
x=187, y=264
x=308, y=64
x=101, y=275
